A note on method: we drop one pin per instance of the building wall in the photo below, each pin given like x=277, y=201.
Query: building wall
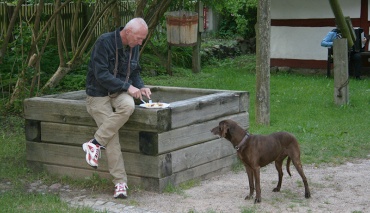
x=298, y=26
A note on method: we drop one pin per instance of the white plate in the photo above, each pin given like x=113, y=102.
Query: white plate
x=154, y=105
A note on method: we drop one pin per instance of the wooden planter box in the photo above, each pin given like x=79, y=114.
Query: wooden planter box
x=160, y=146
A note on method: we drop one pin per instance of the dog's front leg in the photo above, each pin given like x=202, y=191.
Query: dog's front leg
x=251, y=182
x=256, y=173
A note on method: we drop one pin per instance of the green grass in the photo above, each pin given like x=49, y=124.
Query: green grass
x=19, y=201
x=303, y=105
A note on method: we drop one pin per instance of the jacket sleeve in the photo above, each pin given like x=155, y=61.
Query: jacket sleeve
x=328, y=39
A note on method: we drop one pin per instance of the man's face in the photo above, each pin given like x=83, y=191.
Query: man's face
x=136, y=38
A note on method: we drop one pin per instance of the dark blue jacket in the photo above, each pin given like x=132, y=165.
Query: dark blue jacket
x=100, y=79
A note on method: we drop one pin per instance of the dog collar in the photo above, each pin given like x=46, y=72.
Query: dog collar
x=242, y=142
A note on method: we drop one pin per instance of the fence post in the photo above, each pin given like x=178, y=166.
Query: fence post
x=341, y=78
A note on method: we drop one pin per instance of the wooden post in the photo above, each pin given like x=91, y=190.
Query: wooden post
x=169, y=60
x=196, y=48
x=263, y=31
x=341, y=78
x=196, y=55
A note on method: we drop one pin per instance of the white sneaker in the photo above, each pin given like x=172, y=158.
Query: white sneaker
x=120, y=191
x=93, y=153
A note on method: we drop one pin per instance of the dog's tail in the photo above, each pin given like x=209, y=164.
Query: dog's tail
x=287, y=165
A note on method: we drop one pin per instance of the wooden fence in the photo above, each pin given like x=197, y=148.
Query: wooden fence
x=27, y=14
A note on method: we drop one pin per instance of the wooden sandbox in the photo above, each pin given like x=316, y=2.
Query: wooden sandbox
x=160, y=146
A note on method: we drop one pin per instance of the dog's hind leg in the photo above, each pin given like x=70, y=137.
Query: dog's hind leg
x=298, y=165
x=279, y=168
x=251, y=182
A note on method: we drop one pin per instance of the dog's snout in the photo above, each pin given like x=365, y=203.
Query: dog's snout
x=215, y=131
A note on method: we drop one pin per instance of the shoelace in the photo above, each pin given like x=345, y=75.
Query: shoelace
x=98, y=151
x=121, y=187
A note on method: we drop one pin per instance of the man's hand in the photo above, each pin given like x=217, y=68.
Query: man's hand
x=138, y=93
x=134, y=92
x=146, y=91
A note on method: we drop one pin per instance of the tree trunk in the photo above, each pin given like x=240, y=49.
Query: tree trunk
x=263, y=63
x=60, y=36
x=10, y=30
x=32, y=59
x=64, y=68
x=156, y=10
x=74, y=25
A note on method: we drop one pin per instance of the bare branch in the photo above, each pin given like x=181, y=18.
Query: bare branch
x=10, y=30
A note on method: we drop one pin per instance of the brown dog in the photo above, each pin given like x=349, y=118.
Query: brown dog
x=256, y=151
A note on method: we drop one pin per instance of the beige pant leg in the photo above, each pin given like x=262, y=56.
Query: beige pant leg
x=109, y=122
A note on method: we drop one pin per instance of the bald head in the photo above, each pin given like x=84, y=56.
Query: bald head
x=137, y=24
x=135, y=32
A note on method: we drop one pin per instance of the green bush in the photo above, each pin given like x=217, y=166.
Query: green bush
x=238, y=19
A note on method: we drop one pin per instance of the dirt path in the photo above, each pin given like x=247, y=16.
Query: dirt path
x=343, y=188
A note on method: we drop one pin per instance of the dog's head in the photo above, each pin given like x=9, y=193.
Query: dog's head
x=223, y=129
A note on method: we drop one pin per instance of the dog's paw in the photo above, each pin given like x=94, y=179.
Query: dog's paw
x=248, y=197
x=307, y=195
x=257, y=200
x=276, y=189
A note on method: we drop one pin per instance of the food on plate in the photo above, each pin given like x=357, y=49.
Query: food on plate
x=154, y=104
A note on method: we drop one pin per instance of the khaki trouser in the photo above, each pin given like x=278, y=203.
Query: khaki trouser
x=110, y=114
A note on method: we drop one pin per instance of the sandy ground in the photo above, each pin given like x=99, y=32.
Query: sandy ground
x=343, y=188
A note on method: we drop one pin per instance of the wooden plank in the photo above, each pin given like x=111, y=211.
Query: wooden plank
x=74, y=95
x=146, y=183
x=174, y=94
x=68, y=134
x=130, y=140
x=209, y=104
x=243, y=101
x=194, y=134
x=74, y=112
x=155, y=120
x=57, y=110
x=72, y=156
x=199, y=154
x=159, y=94
x=203, y=108
x=204, y=171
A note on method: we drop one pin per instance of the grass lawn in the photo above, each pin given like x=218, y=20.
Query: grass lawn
x=303, y=105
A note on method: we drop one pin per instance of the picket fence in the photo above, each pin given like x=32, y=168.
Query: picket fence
x=27, y=15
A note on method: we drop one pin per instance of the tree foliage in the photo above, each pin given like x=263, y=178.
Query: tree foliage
x=238, y=17
x=26, y=43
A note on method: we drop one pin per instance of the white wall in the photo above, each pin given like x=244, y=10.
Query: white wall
x=290, y=9
x=304, y=42
x=298, y=42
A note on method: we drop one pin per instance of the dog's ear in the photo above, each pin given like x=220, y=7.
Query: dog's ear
x=224, y=127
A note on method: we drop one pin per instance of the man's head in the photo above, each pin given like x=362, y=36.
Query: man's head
x=134, y=32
